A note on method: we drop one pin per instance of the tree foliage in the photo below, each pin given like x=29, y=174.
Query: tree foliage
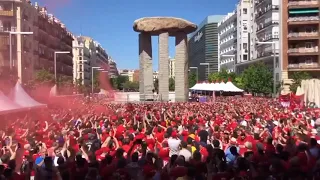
x=192, y=78
x=297, y=77
x=258, y=78
x=222, y=75
x=133, y=86
x=44, y=76
x=171, y=84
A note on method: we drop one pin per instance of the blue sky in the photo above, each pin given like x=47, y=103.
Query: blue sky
x=110, y=21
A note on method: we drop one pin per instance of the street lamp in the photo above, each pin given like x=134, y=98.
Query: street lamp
x=196, y=68
x=206, y=64
x=99, y=69
x=10, y=43
x=274, y=63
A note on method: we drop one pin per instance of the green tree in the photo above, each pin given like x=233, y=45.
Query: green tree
x=297, y=77
x=192, y=78
x=113, y=82
x=44, y=76
x=222, y=75
x=258, y=78
x=171, y=84
x=121, y=80
x=156, y=85
x=238, y=81
x=131, y=85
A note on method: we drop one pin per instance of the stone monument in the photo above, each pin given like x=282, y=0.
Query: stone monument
x=163, y=27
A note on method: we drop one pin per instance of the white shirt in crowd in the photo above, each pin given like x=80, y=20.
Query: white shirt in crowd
x=173, y=144
x=185, y=153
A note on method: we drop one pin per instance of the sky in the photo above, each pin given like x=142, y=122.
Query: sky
x=110, y=21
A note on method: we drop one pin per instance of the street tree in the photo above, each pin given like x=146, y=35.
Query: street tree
x=171, y=84
x=192, y=78
x=297, y=77
x=258, y=78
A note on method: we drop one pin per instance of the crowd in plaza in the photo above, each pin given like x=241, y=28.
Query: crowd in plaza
x=232, y=138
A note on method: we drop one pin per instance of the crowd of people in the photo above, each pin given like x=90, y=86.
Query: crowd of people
x=232, y=138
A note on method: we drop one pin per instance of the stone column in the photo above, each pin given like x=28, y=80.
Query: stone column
x=146, y=71
x=163, y=76
x=181, y=74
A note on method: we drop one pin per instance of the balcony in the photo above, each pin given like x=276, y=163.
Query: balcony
x=303, y=35
x=303, y=4
x=266, y=10
x=259, y=2
x=266, y=25
x=303, y=51
x=8, y=29
x=304, y=66
x=304, y=20
x=6, y=13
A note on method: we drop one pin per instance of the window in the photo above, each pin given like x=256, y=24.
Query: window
x=309, y=45
x=277, y=63
x=245, y=46
x=309, y=61
x=80, y=58
x=245, y=10
x=245, y=57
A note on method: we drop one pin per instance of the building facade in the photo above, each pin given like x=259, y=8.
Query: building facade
x=31, y=53
x=113, y=70
x=87, y=54
x=300, y=39
x=203, y=47
x=227, y=29
x=263, y=35
x=243, y=31
x=128, y=73
x=172, y=67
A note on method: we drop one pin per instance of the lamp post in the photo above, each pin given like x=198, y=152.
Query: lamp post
x=206, y=64
x=55, y=62
x=196, y=68
x=274, y=63
x=99, y=69
x=10, y=43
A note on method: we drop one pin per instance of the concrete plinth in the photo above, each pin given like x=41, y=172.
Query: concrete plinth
x=146, y=71
x=163, y=75
x=181, y=74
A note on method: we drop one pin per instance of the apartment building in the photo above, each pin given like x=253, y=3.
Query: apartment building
x=87, y=54
x=300, y=38
x=263, y=36
x=243, y=31
x=32, y=52
x=128, y=73
x=172, y=67
x=227, y=30
x=203, y=47
x=113, y=70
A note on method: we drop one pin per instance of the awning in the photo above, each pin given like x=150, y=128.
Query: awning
x=299, y=11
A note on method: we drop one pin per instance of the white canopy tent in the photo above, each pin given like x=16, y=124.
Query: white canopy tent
x=6, y=105
x=20, y=97
x=230, y=87
x=226, y=87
